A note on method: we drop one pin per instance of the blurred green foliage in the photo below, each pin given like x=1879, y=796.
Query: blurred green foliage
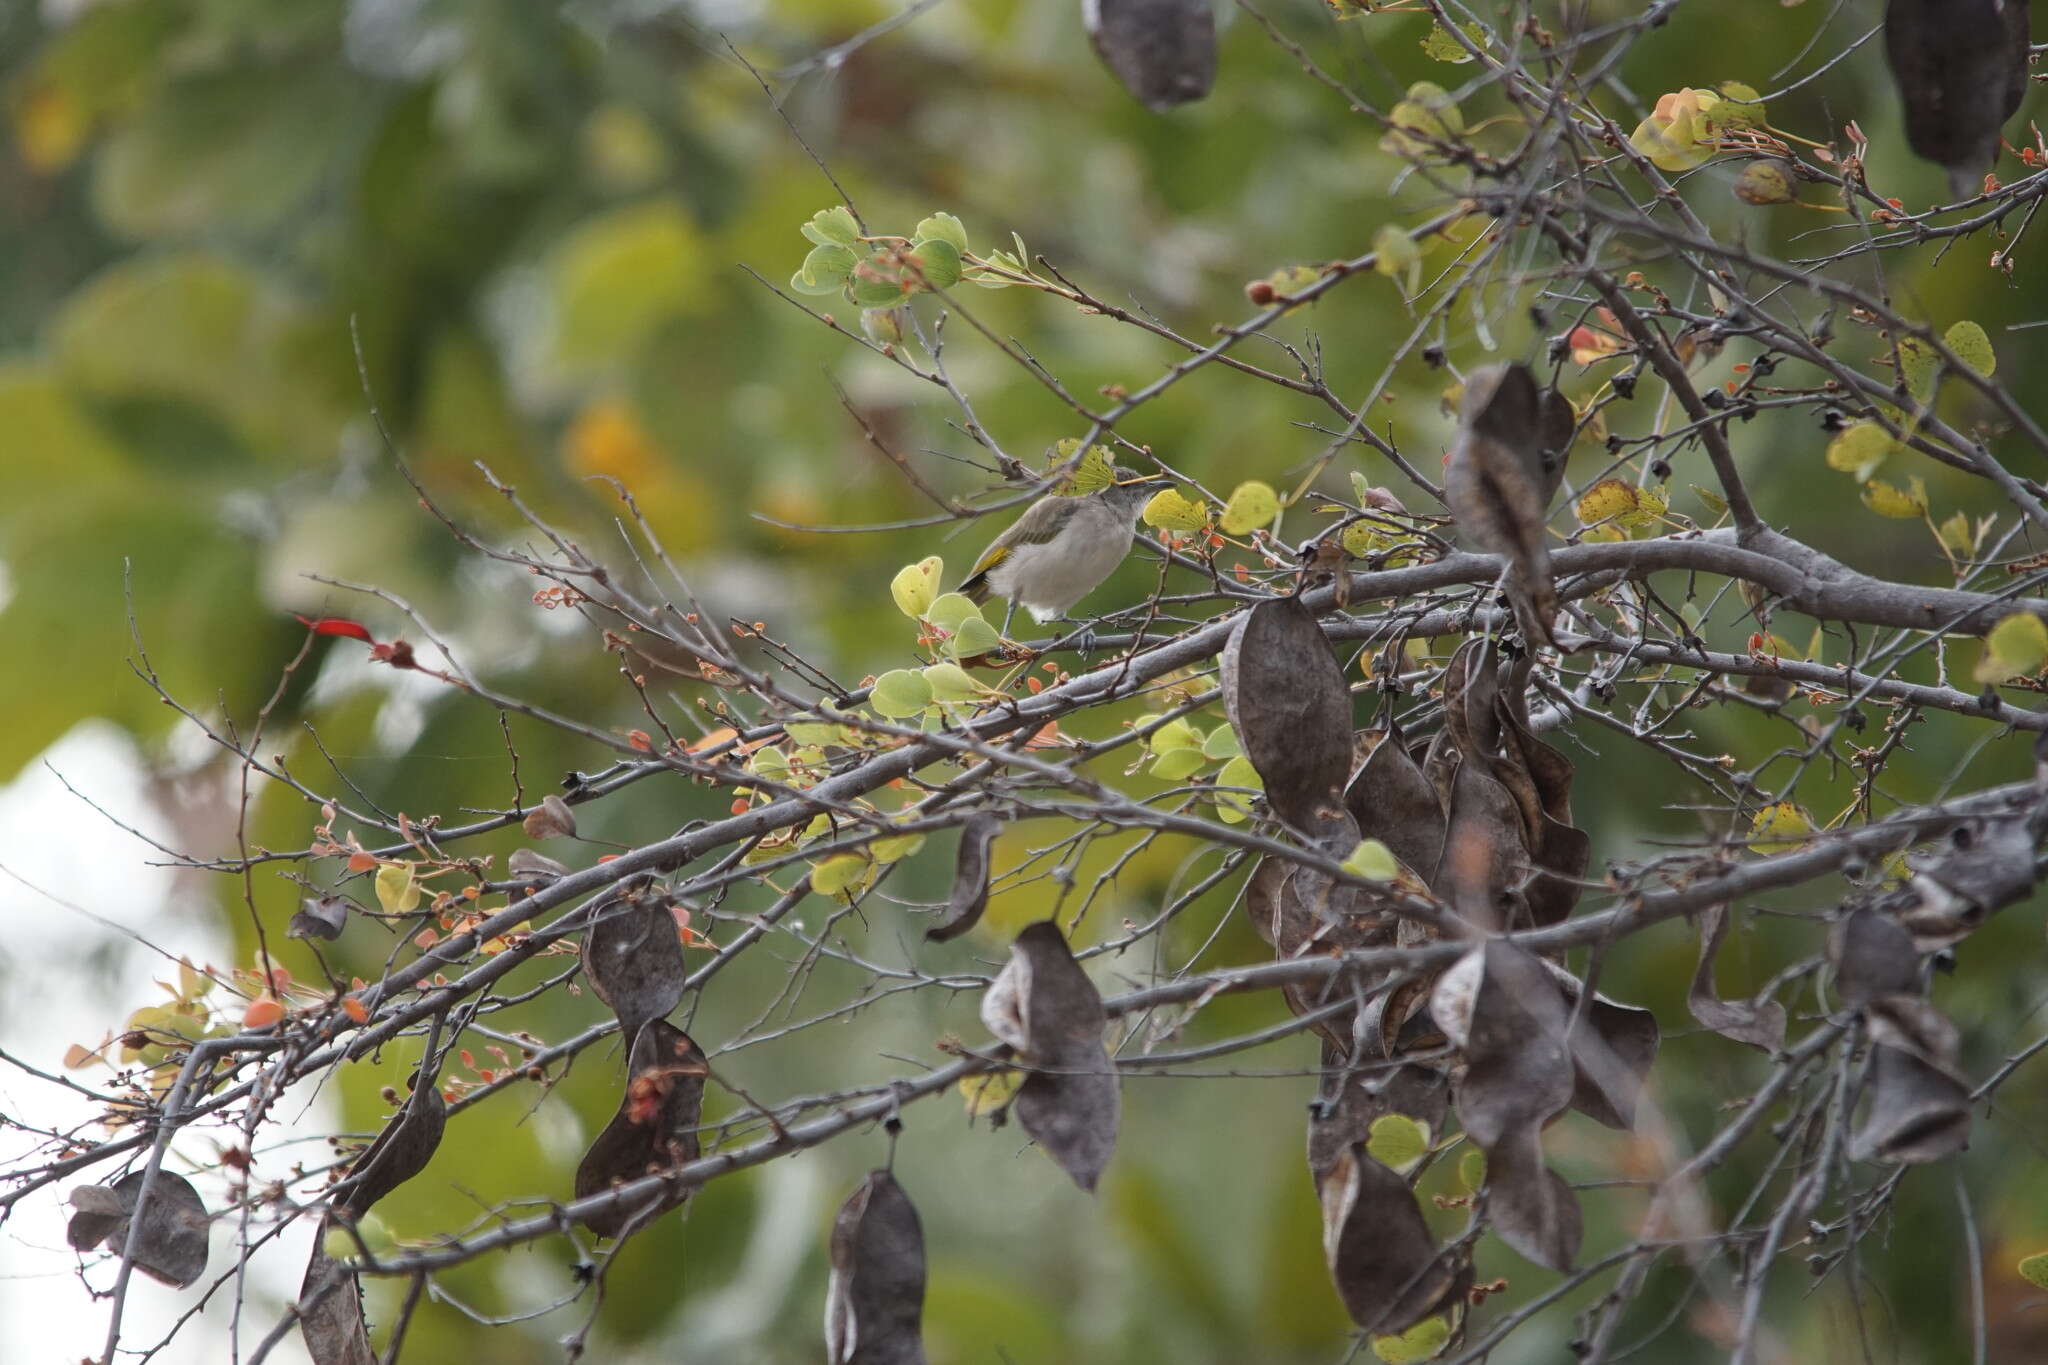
x=534, y=219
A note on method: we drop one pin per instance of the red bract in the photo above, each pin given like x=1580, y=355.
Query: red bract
x=337, y=625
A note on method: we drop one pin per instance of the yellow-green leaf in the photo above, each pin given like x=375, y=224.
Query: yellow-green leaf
x=1472, y=1169
x=2017, y=647
x=974, y=636
x=948, y=610
x=1424, y=1341
x=899, y=693
x=2034, y=1269
x=916, y=586
x=1375, y=862
x=1252, y=504
x=1972, y=347
x=1859, y=449
x=1441, y=45
x=1394, y=252
x=1094, y=472
x=1397, y=1141
x=1917, y=362
x=1175, y=734
x=839, y=875
x=1171, y=510
x=894, y=847
x=951, y=682
x=1239, y=772
x=397, y=889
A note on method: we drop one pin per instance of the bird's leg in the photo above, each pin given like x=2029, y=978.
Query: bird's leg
x=1083, y=640
x=1006, y=618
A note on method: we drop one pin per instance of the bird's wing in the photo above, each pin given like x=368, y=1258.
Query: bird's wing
x=1045, y=519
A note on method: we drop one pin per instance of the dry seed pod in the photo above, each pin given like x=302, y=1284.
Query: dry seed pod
x=550, y=818
x=1497, y=484
x=1291, y=708
x=1043, y=1005
x=1163, y=51
x=400, y=1152
x=874, y=1306
x=171, y=1244
x=1502, y=1009
x=633, y=954
x=970, y=878
x=331, y=1310
x=655, y=1128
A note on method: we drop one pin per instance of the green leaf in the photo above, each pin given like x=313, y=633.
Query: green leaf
x=1394, y=255
x=900, y=692
x=948, y=610
x=1175, y=734
x=824, y=271
x=1373, y=861
x=916, y=586
x=938, y=262
x=878, y=282
x=1178, y=763
x=1397, y=1141
x=1972, y=347
x=975, y=636
x=1424, y=1341
x=1222, y=743
x=1440, y=45
x=982, y=275
x=1740, y=106
x=1472, y=1170
x=620, y=276
x=833, y=227
x=951, y=682
x=1252, y=504
x=942, y=227
x=1232, y=808
x=2034, y=1269
x=2017, y=647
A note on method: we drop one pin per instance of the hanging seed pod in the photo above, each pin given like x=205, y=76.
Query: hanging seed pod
x=1164, y=51
x=654, y=1130
x=170, y=1246
x=874, y=1307
x=1961, y=68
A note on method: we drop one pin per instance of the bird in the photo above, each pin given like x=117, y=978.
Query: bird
x=1061, y=549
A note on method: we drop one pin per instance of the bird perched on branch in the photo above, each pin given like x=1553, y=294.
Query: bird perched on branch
x=1062, y=548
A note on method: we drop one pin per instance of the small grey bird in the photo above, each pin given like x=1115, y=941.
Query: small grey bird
x=1061, y=549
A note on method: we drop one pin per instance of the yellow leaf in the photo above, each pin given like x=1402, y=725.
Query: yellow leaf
x=2034, y=1269
x=1779, y=828
x=1859, y=449
x=397, y=889
x=916, y=586
x=1252, y=504
x=1889, y=500
x=895, y=846
x=986, y=1093
x=1955, y=534
x=2017, y=647
x=1169, y=510
x=1605, y=500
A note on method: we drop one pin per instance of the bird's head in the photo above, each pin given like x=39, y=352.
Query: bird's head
x=1133, y=490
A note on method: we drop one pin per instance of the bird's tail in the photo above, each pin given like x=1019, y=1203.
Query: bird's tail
x=976, y=588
